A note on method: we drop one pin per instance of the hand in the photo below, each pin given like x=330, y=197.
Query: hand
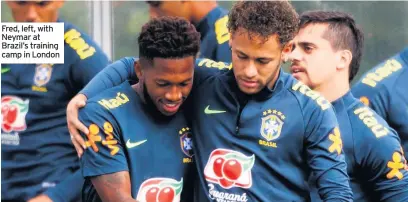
x=40, y=198
x=74, y=124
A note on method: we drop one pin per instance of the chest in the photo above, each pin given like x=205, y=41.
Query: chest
x=272, y=129
x=44, y=86
x=159, y=155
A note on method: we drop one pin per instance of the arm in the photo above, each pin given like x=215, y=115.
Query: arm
x=85, y=68
x=222, y=36
x=113, y=187
x=113, y=75
x=61, y=193
x=383, y=163
x=106, y=153
x=325, y=156
x=123, y=70
x=377, y=98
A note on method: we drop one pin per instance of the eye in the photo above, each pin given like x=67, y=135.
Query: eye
x=21, y=2
x=308, y=49
x=242, y=56
x=43, y=3
x=162, y=84
x=263, y=61
x=184, y=84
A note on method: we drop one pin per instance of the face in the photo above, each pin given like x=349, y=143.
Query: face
x=169, y=8
x=35, y=11
x=256, y=62
x=168, y=81
x=313, y=59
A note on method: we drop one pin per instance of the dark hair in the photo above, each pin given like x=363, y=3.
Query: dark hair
x=154, y=3
x=265, y=18
x=342, y=33
x=168, y=37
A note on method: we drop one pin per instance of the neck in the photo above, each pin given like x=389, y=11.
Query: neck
x=140, y=91
x=334, y=88
x=201, y=9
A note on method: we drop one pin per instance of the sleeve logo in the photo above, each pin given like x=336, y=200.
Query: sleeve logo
x=94, y=137
x=396, y=165
x=337, y=143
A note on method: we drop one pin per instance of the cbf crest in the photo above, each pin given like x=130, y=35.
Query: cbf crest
x=186, y=141
x=42, y=74
x=272, y=123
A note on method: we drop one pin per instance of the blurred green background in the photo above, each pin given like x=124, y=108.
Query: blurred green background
x=384, y=23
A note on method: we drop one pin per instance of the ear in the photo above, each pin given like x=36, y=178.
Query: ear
x=344, y=59
x=230, y=40
x=287, y=49
x=138, y=69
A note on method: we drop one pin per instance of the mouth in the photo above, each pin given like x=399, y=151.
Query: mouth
x=296, y=70
x=170, y=107
x=249, y=84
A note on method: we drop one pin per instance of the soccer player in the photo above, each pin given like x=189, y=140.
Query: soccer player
x=384, y=89
x=209, y=19
x=38, y=160
x=326, y=56
x=258, y=132
x=139, y=145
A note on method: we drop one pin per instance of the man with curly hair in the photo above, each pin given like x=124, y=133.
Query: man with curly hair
x=134, y=129
x=258, y=133
x=209, y=19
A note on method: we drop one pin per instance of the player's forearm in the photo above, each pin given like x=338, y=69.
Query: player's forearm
x=113, y=75
x=67, y=190
x=334, y=184
x=113, y=187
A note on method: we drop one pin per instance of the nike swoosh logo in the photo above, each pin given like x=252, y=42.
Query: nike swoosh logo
x=4, y=70
x=134, y=144
x=207, y=110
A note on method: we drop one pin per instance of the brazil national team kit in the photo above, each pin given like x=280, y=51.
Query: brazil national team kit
x=375, y=161
x=260, y=147
x=215, y=35
x=36, y=151
x=127, y=134
x=384, y=89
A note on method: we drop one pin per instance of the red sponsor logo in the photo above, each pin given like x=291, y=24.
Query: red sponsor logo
x=13, y=111
x=160, y=190
x=229, y=169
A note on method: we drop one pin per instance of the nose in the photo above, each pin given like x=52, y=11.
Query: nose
x=174, y=95
x=294, y=55
x=32, y=14
x=250, y=70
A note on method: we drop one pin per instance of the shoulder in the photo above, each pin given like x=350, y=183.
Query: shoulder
x=382, y=78
x=208, y=63
x=308, y=99
x=80, y=44
x=126, y=61
x=367, y=124
x=112, y=99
